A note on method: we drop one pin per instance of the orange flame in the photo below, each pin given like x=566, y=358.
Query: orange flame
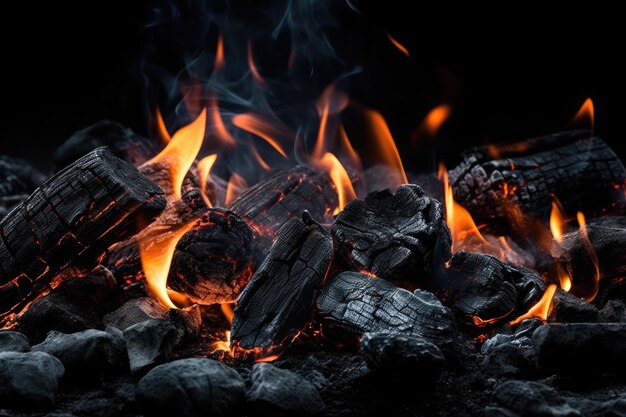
x=592, y=253
x=270, y=358
x=435, y=118
x=340, y=178
x=228, y=311
x=384, y=143
x=222, y=345
x=204, y=169
x=236, y=185
x=565, y=281
x=352, y=156
x=260, y=127
x=253, y=68
x=219, y=54
x=257, y=157
x=586, y=114
x=161, y=128
x=557, y=221
x=541, y=309
x=331, y=102
x=398, y=45
x=217, y=124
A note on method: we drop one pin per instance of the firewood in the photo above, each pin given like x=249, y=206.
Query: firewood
x=71, y=220
x=580, y=170
x=278, y=302
x=17, y=180
x=400, y=236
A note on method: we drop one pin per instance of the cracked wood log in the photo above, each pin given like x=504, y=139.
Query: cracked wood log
x=399, y=237
x=493, y=183
x=70, y=221
x=17, y=180
x=278, y=302
x=357, y=303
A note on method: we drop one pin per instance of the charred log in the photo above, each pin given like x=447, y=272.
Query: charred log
x=484, y=291
x=581, y=171
x=17, y=180
x=400, y=236
x=70, y=221
x=278, y=302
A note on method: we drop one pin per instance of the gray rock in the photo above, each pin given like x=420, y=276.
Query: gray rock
x=134, y=311
x=88, y=356
x=114, y=401
x=399, y=355
x=13, y=342
x=190, y=387
x=29, y=380
x=149, y=343
x=512, y=359
x=533, y=399
x=276, y=391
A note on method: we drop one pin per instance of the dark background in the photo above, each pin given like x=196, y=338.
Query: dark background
x=521, y=74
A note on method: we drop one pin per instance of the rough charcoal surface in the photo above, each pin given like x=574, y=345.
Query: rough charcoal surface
x=149, y=343
x=215, y=259
x=135, y=311
x=360, y=304
x=279, y=299
x=17, y=180
x=484, y=291
x=399, y=236
x=13, y=342
x=580, y=170
x=529, y=398
x=72, y=219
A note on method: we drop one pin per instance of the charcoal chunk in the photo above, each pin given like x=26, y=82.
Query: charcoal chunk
x=149, y=343
x=533, y=399
x=13, y=342
x=136, y=310
x=511, y=359
x=17, y=180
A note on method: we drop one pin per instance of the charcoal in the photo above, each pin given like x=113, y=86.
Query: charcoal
x=484, y=291
x=400, y=236
x=188, y=321
x=582, y=348
x=17, y=180
x=574, y=167
x=190, y=388
x=533, y=399
x=70, y=221
x=122, y=141
x=89, y=356
x=278, y=301
x=512, y=359
x=29, y=380
x=358, y=303
x=215, y=259
x=268, y=205
x=115, y=401
x=13, y=342
x=280, y=392
x=396, y=356
x=149, y=343
x=136, y=310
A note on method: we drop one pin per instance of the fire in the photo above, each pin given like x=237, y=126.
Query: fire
x=181, y=151
x=161, y=128
x=236, y=185
x=223, y=345
x=586, y=114
x=557, y=221
x=541, y=309
x=340, y=178
x=219, y=54
x=385, y=145
x=257, y=157
x=435, y=118
x=398, y=45
x=253, y=68
x=217, y=124
x=228, y=311
x=330, y=103
x=204, y=170
x=260, y=127
x=592, y=253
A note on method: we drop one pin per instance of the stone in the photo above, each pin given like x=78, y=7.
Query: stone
x=149, y=343
x=280, y=392
x=13, y=342
x=529, y=398
x=190, y=388
x=136, y=310
x=88, y=356
x=397, y=355
x=511, y=359
x=29, y=380
x=112, y=401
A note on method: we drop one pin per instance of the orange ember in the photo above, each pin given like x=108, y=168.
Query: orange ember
x=586, y=114
x=592, y=253
x=236, y=185
x=204, y=170
x=260, y=127
x=541, y=309
x=398, y=45
x=384, y=143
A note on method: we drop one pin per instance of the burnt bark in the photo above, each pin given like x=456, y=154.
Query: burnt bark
x=17, y=180
x=400, y=236
x=71, y=220
x=278, y=302
x=580, y=170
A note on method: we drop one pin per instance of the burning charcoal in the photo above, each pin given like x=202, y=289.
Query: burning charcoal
x=190, y=388
x=17, y=180
x=269, y=204
x=533, y=399
x=484, y=291
x=70, y=221
x=398, y=356
x=188, y=320
x=123, y=142
x=279, y=392
x=149, y=343
x=359, y=303
x=88, y=356
x=514, y=358
x=579, y=170
x=13, y=342
x=568, y=308
x=135, y=311
x=582, y=348
x=278, y=301
x=399, y=236
x=30, y=380
x=215, y=259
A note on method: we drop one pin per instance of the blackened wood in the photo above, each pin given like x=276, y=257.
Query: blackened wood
x=399, y=236
x=17, y=180
x=278, y=301
x=122, y=141
x=581, y=171
x=70, y=221
x=215, y=259
x=484, y=291
x=358, y=303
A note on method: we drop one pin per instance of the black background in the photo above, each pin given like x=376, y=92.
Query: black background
x=520, y=74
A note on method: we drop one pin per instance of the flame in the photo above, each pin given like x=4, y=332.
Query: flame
x=270, y=358
x=398, y=45
x=541, y=309
x=496, y=151
x=260, y=127
x=339, y=177
x=204, y=169
x=223, y=345
x=565, y=281
x=257, y=157
x=253, y=68
x=156, y=257
x=592, y=253
x=217, y=124
x=586, y=114
x=161, y=128
x=330, y=103
x=352, y=156
x=219, y=55
x=435, y=118
x=236, y=184
x=228, y=311
x=181, y=151
x=557, y=221
x=385, y=145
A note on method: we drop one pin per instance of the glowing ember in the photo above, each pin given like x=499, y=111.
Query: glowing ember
x=384, y=143
x=260, y=127
x=586, y=114
x=204, y=170
x=557, y=221
x=236, y=185
x=161, y=128
x=592, y=253
x=398, y=45
x=541, y=309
